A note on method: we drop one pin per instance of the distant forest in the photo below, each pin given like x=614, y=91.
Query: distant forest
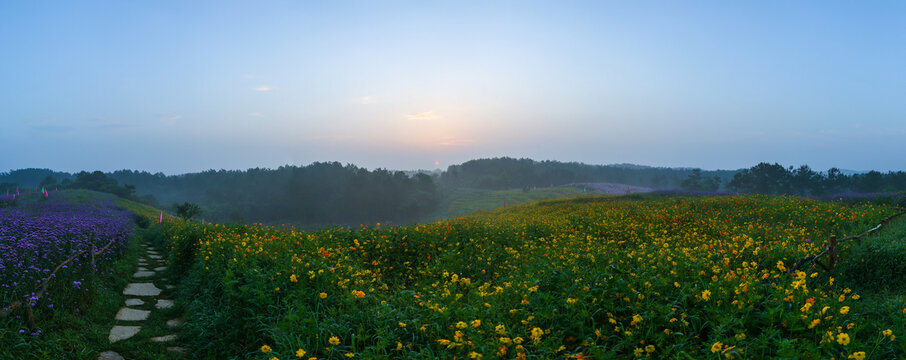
x=329, y=193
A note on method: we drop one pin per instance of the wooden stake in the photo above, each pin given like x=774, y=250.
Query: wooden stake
x=831, y=253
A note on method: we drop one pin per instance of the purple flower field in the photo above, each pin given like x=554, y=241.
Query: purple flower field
x=36, y=236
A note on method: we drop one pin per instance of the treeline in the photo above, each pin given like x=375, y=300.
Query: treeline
x=509, y=173
x=773, y=179
x=331, y=193
x=320, y=193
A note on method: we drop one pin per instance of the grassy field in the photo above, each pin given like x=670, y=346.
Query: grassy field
x=596, y=277
x=459, y=202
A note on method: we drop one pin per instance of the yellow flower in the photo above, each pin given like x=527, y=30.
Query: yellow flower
x=476, y=323
x=636, y=319
x=706, y=295
x=858, y=355
x=399, y=345
x=506, y=340
x=350, y=355
x=887, y=332
x=334, y=340
x=274, y=358
x=474, y=355
x=293, y=278
x=638, y=352
x=300, y=353
x=649, y=349
x=443, y=342
x=844, y=310
x=843, y=339
x=536, y=334
x=518, y=340
x=717, y=346
x=500, y=329
x=814, y=323
x=462, y=325
x=401, y=324
x=323, y=295
x=856, y=297
x=265, y=349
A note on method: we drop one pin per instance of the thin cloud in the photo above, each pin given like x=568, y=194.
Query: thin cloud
x=263, y=88
x=455, y=142
x=170, y=118
x=256, y=114
x=364, y=100
x=427, y=115
x=327, y=137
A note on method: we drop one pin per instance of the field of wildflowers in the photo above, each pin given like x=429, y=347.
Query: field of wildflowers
x=39, y=234
x=594, y=277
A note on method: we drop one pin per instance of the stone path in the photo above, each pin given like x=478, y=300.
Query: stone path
x=143, y=293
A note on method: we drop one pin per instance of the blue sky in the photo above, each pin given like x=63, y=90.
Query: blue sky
x=188, y=86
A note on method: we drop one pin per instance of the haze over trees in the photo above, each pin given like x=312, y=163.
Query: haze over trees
x=326, y=193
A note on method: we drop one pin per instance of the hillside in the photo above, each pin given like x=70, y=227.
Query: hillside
x=601, y=277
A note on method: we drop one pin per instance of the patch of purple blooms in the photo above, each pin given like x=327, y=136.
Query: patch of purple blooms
x=693, y=193
x=35, y=237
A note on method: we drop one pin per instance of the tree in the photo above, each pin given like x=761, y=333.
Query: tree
x=187, y=210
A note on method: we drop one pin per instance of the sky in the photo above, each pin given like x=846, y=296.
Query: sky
x=185, y=86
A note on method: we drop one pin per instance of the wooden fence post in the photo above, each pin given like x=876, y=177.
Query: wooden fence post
x=831, y=253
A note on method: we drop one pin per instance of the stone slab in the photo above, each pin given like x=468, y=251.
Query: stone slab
x=143, y=274
x=174, y=322
x=141, y=289
x=164, y=304
x=160, y=268
x=127, y=314
x=154, y=256
x=110, y=355
x=177, y=349
x=134, y=302
x=118, y=333
x=164, y=338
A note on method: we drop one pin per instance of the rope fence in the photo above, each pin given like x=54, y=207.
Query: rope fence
x=42, y=286
x=830, y=249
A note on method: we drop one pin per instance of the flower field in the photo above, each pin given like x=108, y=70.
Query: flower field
x=39, y=235
x=595, y=277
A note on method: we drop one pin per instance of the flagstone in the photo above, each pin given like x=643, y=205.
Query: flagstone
x=141, y=289
x=143, y=274
x=164, y=338
x=110, y=355
x=127, y=314
x=118, y=333
x=163, y=304
x=134, y=302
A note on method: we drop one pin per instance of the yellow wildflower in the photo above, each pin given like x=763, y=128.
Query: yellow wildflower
x=706, y=295
x=265, y=349
x=843, y=339
x=323, y=295
x=844, y=310
x=858, y=355
x=334, y=340
x=476, y=323
x=718, y=345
